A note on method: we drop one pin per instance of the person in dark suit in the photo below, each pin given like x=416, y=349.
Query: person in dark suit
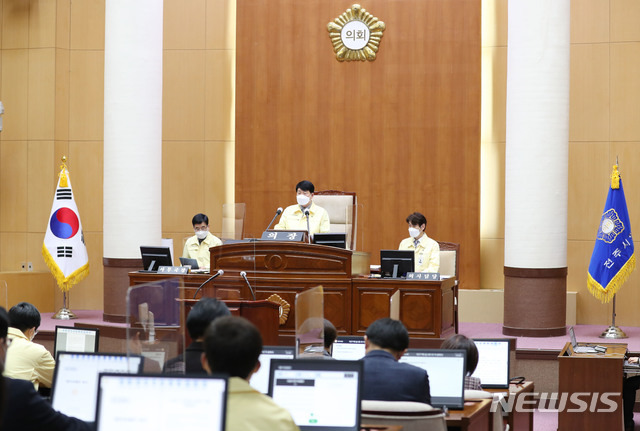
x=205, y=311
x=386, y=379
x=22, y=408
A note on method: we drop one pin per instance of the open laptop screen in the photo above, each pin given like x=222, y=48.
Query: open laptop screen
x=348, y=348
x=72, y=339
x=493, y=362
x=319, y=394
x=75, y=380
x=446, y=369
x=260, y=379
x=169, y=402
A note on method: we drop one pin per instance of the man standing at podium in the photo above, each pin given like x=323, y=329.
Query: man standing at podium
x=427, y=251
x=197, y=247
x=295, y=217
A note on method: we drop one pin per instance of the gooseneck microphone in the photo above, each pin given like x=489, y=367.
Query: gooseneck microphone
x=278, y=212
x=306, y=213
x=217, y=274
x=244, y=275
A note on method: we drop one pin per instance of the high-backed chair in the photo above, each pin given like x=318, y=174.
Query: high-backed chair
x=497, y=423
x=449, y=264
x=412, y=416
x=343, y=214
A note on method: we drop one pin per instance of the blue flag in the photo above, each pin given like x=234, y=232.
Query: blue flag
x=613, y=259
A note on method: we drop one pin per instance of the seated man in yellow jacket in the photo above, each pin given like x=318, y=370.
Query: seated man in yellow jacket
x=427, y=251
x=294, y=218
x=197, y=247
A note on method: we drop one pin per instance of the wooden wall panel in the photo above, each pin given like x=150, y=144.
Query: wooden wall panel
x=402, y=131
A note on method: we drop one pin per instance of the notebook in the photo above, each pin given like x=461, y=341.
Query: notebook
x=75, y=380
x=260, y=379
x=576, y=347
x=493, y=362
x=348, y=348
x=72, y=339
x=168, y=402
x=446, y=369
x=319, y=394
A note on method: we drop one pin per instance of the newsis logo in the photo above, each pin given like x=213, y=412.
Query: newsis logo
x=576, y=402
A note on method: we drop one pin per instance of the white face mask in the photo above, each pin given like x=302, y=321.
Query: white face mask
x=414, y=232
x=303, y=199
x=201, y=234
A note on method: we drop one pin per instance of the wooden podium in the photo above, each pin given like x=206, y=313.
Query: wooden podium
x=592, y=375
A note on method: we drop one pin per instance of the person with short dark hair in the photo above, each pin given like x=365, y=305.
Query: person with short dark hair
x=427, y=251
x=21, y=407
x=27, y=360
x=386, y=379
x=294, y=218
x=460, y=342
x=205, y=311
x=197, y=247
x=232, y=346
x=330, y=335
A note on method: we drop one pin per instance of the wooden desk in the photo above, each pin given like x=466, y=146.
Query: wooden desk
x=474, y=417
x=591, y=373
x=518, y=421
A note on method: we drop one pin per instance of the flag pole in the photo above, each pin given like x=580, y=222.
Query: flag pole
x=613, y=331
x=64, y=313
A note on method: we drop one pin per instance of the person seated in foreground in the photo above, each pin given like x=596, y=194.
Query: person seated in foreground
x=232, y=346
x=27, y=360
x=205, y=311
x=330, y=335
x=21, y=407
x=427, y=251
x=460, y=342
x=197, y=247
x=629, y=387
x=386, y=379
x=294, y=218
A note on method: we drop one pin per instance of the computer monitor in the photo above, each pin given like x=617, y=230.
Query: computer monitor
x=319, y=394
x=75, y=380
x=193, y=263
x=493, y=362
x=338, y=240
x=155, y=257
x=348, y=348
x=72, y=339
x=260, y=379
x=167, y=402
x=396, y=263
x=446, y=370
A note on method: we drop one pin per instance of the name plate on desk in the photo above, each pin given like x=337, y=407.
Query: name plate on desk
x=284, y=235
x=173, y=270
x=423, y=276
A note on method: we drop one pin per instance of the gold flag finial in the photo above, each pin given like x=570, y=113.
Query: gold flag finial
x=63, y=172
x=615, y=178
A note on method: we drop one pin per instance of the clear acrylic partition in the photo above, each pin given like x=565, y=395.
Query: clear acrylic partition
x=310, y=323
x=155, y=318
x=233, y=220
x=4, y=295
x=355, y=238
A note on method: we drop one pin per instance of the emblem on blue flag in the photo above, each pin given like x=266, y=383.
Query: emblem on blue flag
x=613, y=258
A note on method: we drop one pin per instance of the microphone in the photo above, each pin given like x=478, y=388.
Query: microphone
x=217, y=274
x=306, y=212
x=244, y=275
x=278, y=212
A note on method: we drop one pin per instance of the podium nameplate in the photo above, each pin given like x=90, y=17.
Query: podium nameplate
x=284, y=235
x=173, y=270
x=423, y=276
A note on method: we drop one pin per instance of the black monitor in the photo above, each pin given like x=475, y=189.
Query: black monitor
x=396, y=263
x=155, y=257
x=331, y=239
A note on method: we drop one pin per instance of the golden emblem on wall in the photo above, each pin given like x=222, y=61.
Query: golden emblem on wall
x=356, y=35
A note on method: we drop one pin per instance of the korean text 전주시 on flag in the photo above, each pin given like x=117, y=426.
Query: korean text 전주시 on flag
x=613, y=257
x=64, y=249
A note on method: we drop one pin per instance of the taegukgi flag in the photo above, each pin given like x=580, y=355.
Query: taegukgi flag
x=613, y=258
x=64, y=249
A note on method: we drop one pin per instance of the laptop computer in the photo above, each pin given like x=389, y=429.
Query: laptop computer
x=260, y=379
x=348, y=348
x=321, y=395
x=493, y=362
x=166, y=402
x=72, y=339
x=577, y=348
x=193, y=263
x=75, y=380
x=446, y=369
